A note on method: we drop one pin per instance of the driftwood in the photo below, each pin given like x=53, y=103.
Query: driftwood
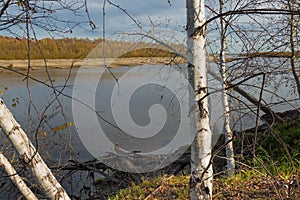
x=98, y=167
x=270, y=114
x=285, y=116
x=92, y=165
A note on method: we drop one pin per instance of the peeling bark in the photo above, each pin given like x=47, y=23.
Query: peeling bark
x=201, y=169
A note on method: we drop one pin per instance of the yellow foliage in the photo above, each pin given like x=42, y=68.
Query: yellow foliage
x=62, y=127
x=43, y=133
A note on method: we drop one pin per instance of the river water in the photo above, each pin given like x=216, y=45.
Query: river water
x=47, y=116
x=35, y=107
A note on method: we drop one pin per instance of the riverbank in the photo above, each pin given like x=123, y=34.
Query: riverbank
x=274, y=173
x=244, y=185
x=67, y=63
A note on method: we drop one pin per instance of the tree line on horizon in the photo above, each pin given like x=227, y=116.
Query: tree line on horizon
x=12, y=48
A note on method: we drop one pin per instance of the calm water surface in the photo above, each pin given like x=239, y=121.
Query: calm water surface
x=58, y=143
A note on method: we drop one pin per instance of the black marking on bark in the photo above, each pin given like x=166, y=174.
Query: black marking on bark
x=199, y=32
x=206, y=189
x=202, y=89
x=202, y=111
x=203, y=129
x=1, y=102
x=25, y=159
x=13, y=130
x=59, y=192
x=191, y=73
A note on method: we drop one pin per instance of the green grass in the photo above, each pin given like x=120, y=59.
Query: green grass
x=274, y=173
x=172, y=187
x=246, y=184
x=257, y=184
x=283, y=143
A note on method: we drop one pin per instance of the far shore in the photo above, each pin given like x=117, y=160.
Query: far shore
x=67, y=63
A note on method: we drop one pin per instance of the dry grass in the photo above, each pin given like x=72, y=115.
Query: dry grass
x=244, y=185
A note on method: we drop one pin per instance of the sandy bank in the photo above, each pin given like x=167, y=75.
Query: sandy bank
x=67, y=63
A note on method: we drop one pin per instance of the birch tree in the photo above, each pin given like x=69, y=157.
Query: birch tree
x=201, y=169
x=16, y=179
x=29, y=155
x=293, y=33
x=228, y=133
x=21, y=19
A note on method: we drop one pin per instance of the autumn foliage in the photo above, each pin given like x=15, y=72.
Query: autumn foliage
x=67, y=48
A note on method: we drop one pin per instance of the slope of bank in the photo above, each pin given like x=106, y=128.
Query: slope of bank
x=273, y=173
x=67, y=63
x=244, y=185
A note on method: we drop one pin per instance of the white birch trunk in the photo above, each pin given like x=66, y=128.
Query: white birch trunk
x=201, y=169
x=292, y=24
x=228, y=133
x=16, y=179
x=48, y=183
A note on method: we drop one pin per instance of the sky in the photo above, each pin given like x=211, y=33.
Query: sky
x=123, y=17
x=146, y=13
